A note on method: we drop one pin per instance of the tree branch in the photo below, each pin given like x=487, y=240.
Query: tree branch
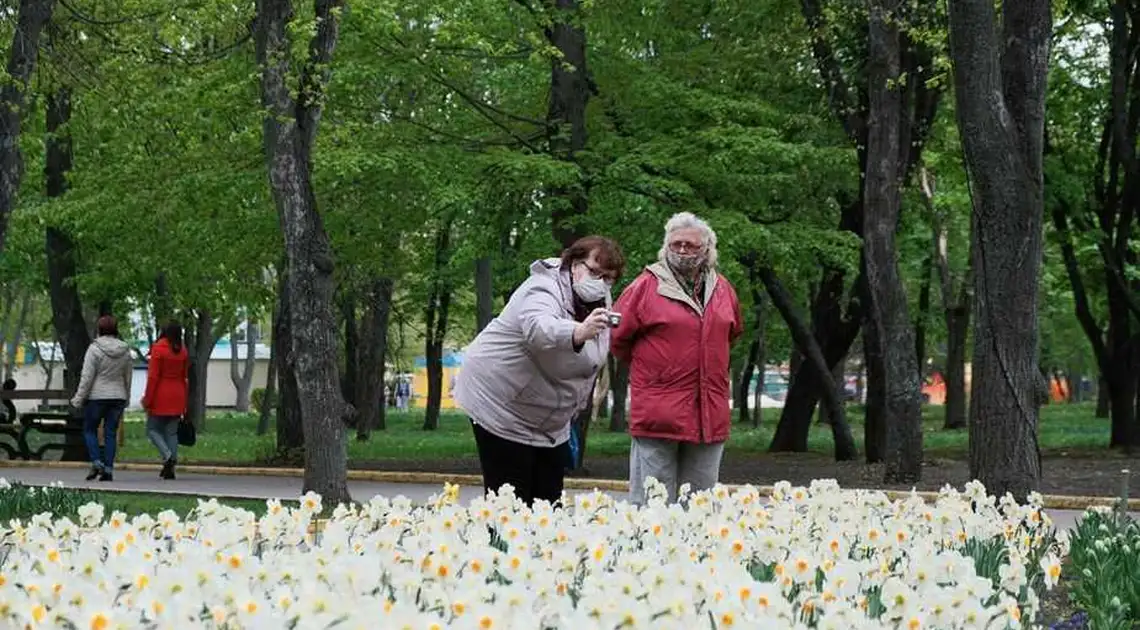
x=849, y=115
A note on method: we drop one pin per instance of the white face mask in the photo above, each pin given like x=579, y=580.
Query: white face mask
x=591, y=290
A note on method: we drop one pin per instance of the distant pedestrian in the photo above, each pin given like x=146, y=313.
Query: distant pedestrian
x=530, y=370
x=167, y=388
x=679, y=318
x=403, y=394
x=104, y=386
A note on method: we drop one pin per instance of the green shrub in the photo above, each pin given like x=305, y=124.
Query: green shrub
x=258, y=398
x=1103, y=551
x=18, y=501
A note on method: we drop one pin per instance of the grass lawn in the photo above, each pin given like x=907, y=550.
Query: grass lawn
x=232, y=437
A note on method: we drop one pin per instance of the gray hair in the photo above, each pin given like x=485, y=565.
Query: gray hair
x=687, y=220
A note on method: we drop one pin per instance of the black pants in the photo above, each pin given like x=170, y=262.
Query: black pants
x=535, y=472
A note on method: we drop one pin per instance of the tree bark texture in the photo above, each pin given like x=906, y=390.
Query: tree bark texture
x=845, y=449
x=31, y=18
x=1114, y=217
x=269, y=393
x=1000, y=79
x=570, y=87
x=350, y=377
x=374, y=328
x=241, y=370
x=955, y=308
x=200, y=342
x=834, y=326
x=436, y=320
x=67, y=317
x=887, y=307
x=289, y=132
x=290, y=428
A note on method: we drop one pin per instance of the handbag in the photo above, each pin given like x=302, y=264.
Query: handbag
x=187, y=434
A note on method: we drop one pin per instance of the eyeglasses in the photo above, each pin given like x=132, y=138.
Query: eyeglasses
x=599, y=274
x=682, y=246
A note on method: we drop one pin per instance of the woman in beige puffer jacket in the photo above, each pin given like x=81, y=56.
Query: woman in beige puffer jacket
x=104, y=388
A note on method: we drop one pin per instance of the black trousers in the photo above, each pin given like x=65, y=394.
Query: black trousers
x=534, y=472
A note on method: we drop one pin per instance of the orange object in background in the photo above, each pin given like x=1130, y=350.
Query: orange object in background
x=934, y=390
x=1058, y=390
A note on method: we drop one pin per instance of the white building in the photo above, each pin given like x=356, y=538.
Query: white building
x=30, y=373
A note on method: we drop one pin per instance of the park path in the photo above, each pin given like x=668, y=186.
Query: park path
x=278, y=487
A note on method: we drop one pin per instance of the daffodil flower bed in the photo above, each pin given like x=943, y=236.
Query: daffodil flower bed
x=818, y=557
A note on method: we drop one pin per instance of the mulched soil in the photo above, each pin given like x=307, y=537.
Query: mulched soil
x=1083, y=474
x=1086, y=476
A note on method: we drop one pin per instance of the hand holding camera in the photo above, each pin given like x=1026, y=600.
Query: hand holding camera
x=598, y=320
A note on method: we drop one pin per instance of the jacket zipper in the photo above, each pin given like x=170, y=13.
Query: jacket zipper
x=701, y=372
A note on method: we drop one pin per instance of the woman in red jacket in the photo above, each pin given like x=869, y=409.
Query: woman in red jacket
x=166, y=391
x=678, y=319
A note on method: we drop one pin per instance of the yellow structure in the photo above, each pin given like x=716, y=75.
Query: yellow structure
x=452, y=363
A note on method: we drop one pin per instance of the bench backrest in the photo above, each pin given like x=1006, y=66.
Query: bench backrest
x=35, y=394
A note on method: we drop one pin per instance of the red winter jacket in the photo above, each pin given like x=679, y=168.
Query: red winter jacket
x=166, y=380
x=678, y=356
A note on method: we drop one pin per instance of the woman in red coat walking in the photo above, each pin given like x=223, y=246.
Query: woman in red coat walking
x=167, y=383
x=678, y=319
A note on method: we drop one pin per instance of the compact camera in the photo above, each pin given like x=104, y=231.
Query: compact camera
x=614, y=319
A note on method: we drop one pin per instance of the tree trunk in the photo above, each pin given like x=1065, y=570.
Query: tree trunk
x=289, y=132
x=955, y=308
x=484, y=293
x=370, y=401
x=241, y=371
x=833, y=331
x=9, y=310
x=270, y=391
x=887, y=312
x=290, y=428
x=570, y=87
x=874, y=420
x=350, y=378
x=31, y=19
x=619, y=385
x=436, y=320
x=163, y=304
x=923, y=318
x=67, y=316
x=743, y=385
x=1000, y=81
x=200, y=341
x=1103, y=406
x=761, y=309
x=838, y=373
x=958, y=329
x=17, y=335
x=844, y=443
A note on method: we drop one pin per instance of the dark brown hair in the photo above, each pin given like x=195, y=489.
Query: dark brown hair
x=106, y=325
x=609, y=254
x=172, y=333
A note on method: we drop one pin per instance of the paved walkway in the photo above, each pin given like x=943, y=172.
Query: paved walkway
x=269, y=487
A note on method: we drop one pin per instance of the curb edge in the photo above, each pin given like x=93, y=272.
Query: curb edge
x=1050, y=501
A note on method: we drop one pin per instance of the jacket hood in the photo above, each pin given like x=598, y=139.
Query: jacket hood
x=113, y=347
x=547, y=267
x=551, y=270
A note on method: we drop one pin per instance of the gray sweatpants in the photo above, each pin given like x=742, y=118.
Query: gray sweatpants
x=673, y=464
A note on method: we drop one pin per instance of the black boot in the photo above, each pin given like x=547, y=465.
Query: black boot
x=106, y=476
x=93, y=473
x=167, y=470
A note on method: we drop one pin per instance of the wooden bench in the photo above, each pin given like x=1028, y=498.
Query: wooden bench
x=58, y=419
